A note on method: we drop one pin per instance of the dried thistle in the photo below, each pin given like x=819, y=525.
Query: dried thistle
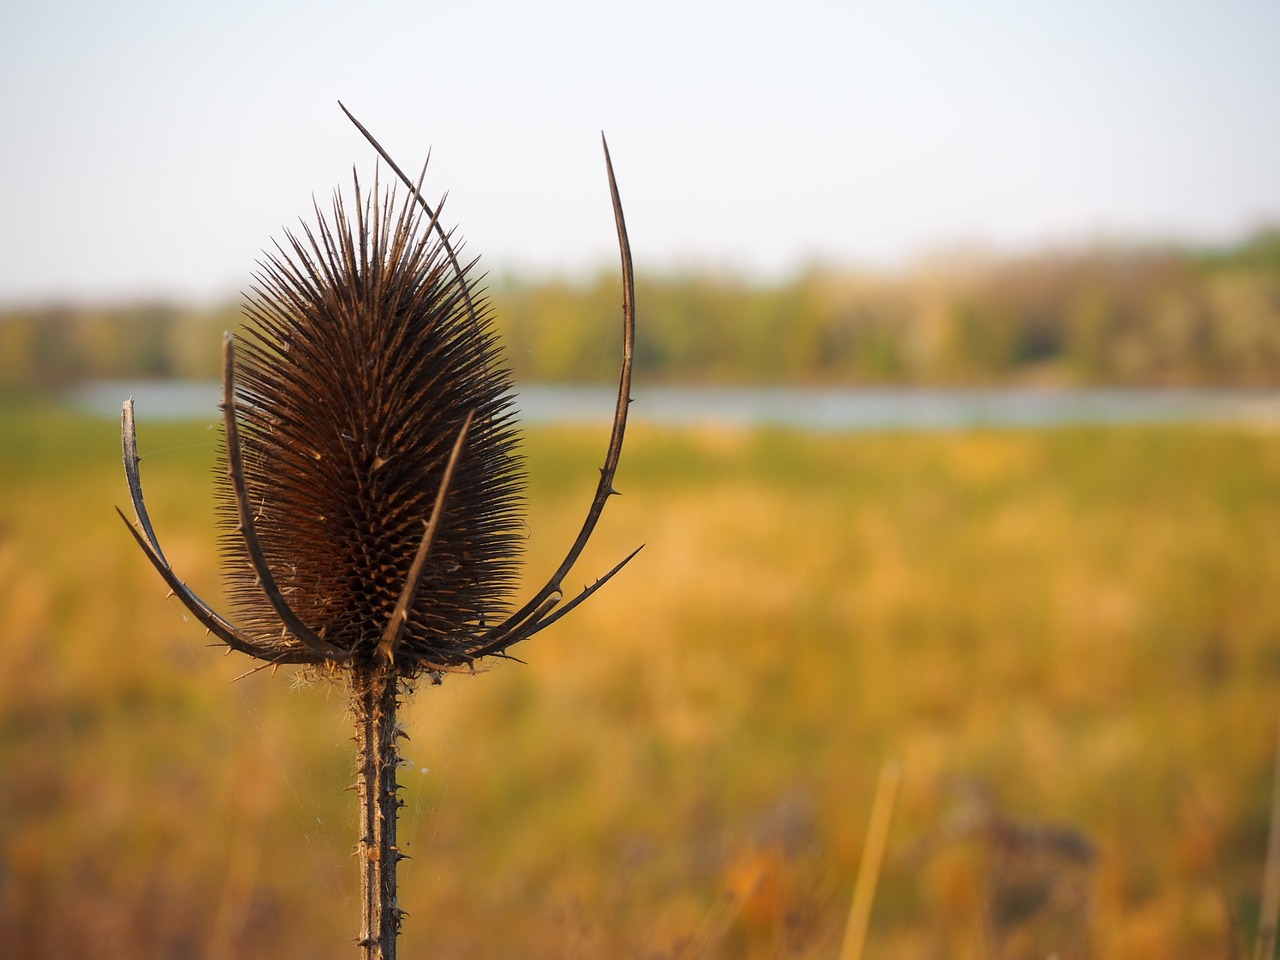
x=371, y=495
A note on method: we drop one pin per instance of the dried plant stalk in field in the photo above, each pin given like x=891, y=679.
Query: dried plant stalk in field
x=372, y=494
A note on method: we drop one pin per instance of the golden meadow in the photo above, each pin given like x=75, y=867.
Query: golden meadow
x=1068, y=639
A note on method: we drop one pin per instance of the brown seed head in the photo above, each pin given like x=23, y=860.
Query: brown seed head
x=365, y=354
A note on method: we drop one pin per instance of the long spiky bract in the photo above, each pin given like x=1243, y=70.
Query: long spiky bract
x=372, y=488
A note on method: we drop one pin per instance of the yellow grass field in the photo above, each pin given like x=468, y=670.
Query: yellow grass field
x=1069, y=640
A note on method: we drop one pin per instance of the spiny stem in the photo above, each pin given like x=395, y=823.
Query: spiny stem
x=375, y=697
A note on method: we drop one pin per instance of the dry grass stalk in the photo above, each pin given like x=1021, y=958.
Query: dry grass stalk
x=372, y=494
x=864, y=890
x=1270, y=906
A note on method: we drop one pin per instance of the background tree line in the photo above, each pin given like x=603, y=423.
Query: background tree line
x=1135, y=316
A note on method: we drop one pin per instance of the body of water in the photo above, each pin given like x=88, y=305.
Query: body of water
x=824, y=410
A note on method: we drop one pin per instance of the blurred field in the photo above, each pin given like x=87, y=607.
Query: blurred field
x=1079, y=623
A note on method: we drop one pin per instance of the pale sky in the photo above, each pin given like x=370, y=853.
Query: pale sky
x=156, y=148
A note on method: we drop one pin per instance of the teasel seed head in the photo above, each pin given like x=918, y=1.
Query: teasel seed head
x=373, y=487
x=365, y=354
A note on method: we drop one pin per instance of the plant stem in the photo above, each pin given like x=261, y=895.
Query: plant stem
x=864, y=891
x=375, y=697
x=1270, y=907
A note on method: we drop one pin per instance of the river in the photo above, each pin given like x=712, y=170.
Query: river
x=819, y=409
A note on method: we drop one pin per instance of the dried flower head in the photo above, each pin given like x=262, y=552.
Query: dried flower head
x=373, y=483
x=366, y=356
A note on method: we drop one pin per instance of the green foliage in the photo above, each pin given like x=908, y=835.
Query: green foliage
x=1124, y=316
x=52, y=347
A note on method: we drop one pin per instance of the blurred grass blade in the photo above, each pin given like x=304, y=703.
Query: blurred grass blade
x=1271, y=876
x=864, y=890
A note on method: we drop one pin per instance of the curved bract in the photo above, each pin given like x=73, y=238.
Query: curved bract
x=372, y=502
